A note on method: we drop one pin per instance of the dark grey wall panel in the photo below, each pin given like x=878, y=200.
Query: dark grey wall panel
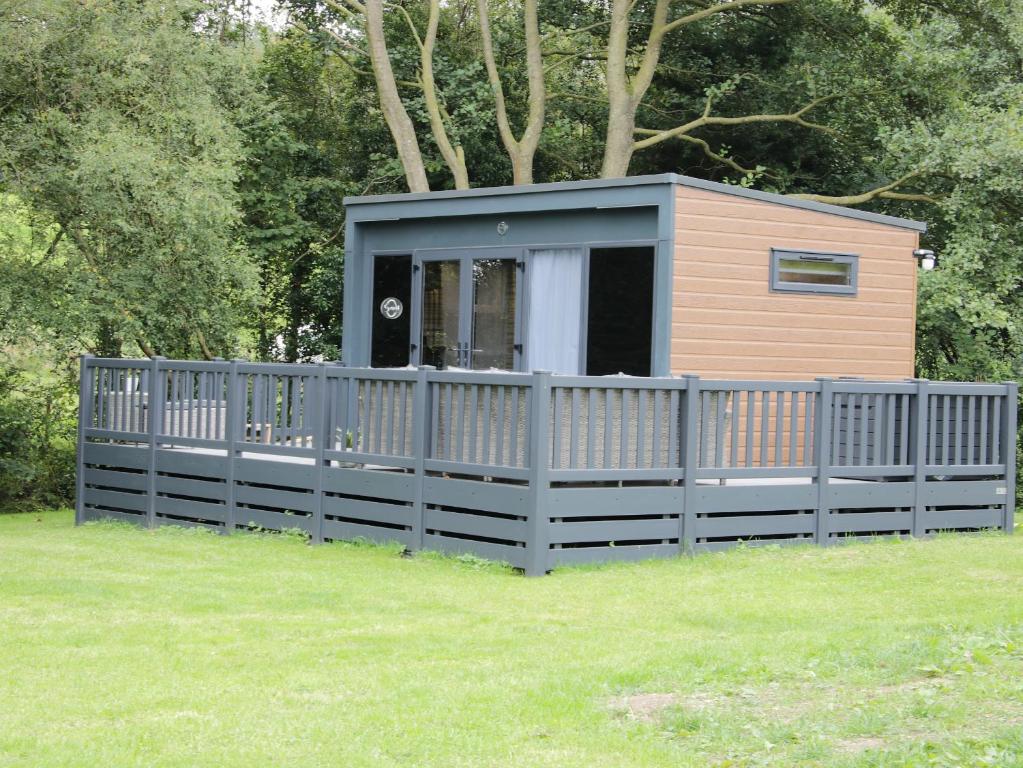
x=272, y=497
x=190, y=508
x=870, y=495
x=203, y=489
x=123, y=501
x=369, y=511
x=399, y=486
x=588, y=502
x=871, y=521
x=605, y=531
x=748, y=526
x=114, y=479
x=488, y=497
x=482, y=526
x=950, y=519
x=269, y=472
x=116, y=456
x=185, y=462
x=754, y=498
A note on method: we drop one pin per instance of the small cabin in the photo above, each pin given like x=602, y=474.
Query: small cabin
x=645, y=275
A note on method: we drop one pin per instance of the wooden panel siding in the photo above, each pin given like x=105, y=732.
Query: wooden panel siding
x=727, y=323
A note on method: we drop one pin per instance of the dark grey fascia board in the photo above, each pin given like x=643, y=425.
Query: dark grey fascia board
x=806, y=205
x=496, y=201
x=515, y=189
x=533, y=197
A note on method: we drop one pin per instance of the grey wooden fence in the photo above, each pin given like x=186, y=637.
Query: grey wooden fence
x=540, y=470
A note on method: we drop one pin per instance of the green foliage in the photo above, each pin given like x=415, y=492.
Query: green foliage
x=114, y=132
x=38, y=424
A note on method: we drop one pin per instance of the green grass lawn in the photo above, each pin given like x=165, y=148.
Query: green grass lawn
x=123, y=647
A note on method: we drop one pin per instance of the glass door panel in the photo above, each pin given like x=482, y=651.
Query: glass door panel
x=493, y=314
x=441, y=313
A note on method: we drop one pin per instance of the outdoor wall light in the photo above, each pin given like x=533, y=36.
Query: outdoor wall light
x=925, y=258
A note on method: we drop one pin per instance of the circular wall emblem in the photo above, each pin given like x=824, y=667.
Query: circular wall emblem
x=391, y=308
x=502, y=227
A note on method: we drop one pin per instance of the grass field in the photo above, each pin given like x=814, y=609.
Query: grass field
x=122, y=647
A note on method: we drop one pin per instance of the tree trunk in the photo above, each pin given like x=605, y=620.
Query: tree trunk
x=453, y=155
x=520, y=151
x=398, y=121
x=619, y=143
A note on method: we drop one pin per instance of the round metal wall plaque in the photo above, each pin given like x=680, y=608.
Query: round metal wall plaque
x=391, y=308
x=502, y=227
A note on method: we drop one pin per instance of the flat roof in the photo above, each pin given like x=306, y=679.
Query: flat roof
x=634, y=181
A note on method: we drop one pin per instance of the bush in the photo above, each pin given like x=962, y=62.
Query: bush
x=38, y=424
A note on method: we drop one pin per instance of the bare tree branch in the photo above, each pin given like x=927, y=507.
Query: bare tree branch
x=723, y=159
x=657, y=136
x=885, y=191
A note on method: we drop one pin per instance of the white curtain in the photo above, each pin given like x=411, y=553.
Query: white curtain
x=555, y=318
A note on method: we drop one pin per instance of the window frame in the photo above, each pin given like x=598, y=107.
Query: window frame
x=778, y=286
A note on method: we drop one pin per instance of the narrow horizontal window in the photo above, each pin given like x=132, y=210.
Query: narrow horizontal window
x=809, y=272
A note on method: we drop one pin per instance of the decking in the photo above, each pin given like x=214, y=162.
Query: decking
x=539, y=470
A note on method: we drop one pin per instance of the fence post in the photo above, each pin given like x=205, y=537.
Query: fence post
x=824, y=422
x=320, y=437
x=538, y=536
x=918, y=445
x=84, y=422
x=155, y=418
x=1008, y=430
x=690, y=460
x=232, y=428
x=422, y=409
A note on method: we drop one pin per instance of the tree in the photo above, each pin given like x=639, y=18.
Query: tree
x=113, y=131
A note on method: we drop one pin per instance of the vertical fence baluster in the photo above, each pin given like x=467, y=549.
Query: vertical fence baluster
x=641, y=422
x=997, y=454
x=971, y=430
x=809, y=426
x=656, y=423
x=517, y=394
x=983, y=459
x=474, y=421
x=779, y=424
x=852, y=403
x=623, y=430
x=765, y=427
x=946, y=425
x=608, y=431
x=488, y=418
x=499, y=439
x=734, y=403
x=751, y=419
x=591, y=427
x=573, y=440
x=957, y=456
x=719, y=429
x=557, y=396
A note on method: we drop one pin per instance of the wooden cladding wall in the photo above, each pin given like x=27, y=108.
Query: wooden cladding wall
x=727, y=323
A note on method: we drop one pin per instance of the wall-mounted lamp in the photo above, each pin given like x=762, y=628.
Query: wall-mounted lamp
x=926, y=258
